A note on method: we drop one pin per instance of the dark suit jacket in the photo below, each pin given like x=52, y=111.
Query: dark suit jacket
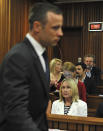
x=23, y=90
x=96, y=75
x=90, y=85
x=99, y=111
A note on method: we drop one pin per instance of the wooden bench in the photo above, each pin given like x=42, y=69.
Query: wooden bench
x=92, y=102
x=100, y=89
x=73, y=123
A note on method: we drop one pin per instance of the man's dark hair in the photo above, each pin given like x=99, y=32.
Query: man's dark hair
x=82, y=65
x=39, y=11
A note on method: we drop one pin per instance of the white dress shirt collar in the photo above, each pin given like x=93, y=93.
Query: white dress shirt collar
x=36, y=45
x=38, y=48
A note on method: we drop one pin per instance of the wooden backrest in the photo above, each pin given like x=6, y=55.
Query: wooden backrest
x=100, y=89
x=74, y=123
x=93, y=101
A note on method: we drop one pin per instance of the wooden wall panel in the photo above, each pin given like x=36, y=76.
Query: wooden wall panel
x=13, y=23
x=19, y=20
x=4, y=26
x=79, y=15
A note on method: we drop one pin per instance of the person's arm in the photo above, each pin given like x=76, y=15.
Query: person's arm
x=84, y=96
x=82, y=91
x=48, y=111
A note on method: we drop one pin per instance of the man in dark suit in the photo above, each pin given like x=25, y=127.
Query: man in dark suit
x=24, y=87
x=89, y=82
x=92, y=72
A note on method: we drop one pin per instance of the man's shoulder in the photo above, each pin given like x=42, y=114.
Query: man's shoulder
x=20, y=48
x=95, y=69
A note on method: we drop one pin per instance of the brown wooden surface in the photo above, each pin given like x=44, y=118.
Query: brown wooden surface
x=74, y=123
x=93, y=101
x=71, y=45
x=79, y=15
x=100, y=89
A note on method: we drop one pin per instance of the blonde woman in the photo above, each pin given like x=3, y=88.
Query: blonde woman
x=69, y=70
x=56, y=75
x=69, y=102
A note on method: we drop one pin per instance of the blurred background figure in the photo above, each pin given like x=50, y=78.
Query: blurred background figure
x=92, y=70
x=69, y=71
x=69, y=102
x=99, y=111
x=79, y=59
x=56, y=74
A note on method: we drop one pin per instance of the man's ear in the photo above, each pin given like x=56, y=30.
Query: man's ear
x=37, y=26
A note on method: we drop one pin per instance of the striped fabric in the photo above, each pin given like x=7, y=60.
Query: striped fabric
x=66, y=109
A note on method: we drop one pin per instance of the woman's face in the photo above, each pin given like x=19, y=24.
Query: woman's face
x=69, y=74
x=58, y=66
x=66, y=90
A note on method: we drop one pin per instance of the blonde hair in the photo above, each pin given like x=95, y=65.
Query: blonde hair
x=72, y=84
x=69, y=66
x=53, y=64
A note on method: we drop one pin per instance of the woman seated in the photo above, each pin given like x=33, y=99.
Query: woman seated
x=69, y=70
x=69, y=102
x=56, y=75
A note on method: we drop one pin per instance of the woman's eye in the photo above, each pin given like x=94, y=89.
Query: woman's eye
x=65, y=87
x=68, y=87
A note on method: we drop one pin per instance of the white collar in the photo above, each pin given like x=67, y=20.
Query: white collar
x=36, y=45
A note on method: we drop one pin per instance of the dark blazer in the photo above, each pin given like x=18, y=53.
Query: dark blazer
x=96, y=75
x=23, y=90
x=99, y=111
x=90, y=85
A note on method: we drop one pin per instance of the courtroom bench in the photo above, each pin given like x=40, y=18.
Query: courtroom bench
x=74, y=123
x=100, y=89
x=92, y=102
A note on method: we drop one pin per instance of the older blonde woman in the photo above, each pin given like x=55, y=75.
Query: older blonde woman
x=56, y=75
x=69, y=70
x=69, y=102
